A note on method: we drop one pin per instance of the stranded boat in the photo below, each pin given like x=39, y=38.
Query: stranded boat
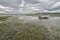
x=43, y=16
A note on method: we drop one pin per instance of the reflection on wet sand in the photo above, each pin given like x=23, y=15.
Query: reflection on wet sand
x=50, y=21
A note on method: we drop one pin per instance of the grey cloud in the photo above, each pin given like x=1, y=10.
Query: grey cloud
x=42, y=5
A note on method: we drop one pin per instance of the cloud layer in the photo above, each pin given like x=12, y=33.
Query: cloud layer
x=22, y=6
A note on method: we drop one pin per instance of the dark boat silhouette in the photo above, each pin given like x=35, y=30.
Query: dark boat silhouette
x=43, y=16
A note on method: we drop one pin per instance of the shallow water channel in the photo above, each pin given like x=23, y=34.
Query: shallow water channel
x=55, y=21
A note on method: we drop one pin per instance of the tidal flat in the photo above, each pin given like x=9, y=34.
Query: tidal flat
x=29, y=27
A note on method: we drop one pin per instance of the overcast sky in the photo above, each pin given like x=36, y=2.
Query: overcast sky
x=22, y=6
